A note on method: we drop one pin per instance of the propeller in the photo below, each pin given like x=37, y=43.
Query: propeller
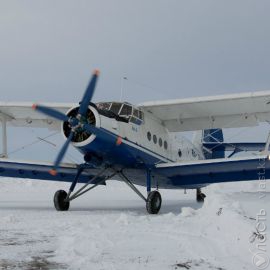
x=61, y=154
x=50, y=112
x=89, y=92
x=78, y=121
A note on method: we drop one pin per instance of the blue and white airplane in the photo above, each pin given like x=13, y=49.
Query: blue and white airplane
x=138, y=144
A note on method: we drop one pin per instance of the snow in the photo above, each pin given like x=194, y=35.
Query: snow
x=108, y=228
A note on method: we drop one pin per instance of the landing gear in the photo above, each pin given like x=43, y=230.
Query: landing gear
x=200, y=196
x=153, y=203
x=60, y=201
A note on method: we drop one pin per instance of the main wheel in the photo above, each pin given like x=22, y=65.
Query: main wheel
x=60, y=202
x=153, y=203
x=200, y=197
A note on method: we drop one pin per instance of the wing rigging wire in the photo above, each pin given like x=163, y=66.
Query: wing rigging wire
x=44, y=140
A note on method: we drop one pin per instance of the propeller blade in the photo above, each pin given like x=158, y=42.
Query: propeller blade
x=61, y=154
x=50, y=112
x=92, y=129
x=89, y=92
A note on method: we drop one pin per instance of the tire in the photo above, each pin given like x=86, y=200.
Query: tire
x=153, y=203
x=59, y=201
x=200, y=197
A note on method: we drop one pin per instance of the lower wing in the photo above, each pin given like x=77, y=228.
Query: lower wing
x=40, y=171
x=200, y=173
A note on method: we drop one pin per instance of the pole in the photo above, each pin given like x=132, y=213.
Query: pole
x=122, y=87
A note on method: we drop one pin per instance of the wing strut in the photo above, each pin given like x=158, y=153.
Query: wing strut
x=129, y=183
x=266, y=149
x=4, y=138
x=83, y=189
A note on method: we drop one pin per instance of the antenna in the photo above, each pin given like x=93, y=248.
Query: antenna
x=122, y=87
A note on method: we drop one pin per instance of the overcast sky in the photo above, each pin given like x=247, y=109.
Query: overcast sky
x=166, y=49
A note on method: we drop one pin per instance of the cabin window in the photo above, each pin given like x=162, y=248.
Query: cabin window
x=149, y=136
x=179, y=153
x=165, y=145
x=155, y=139
x=115, y=108
x=160, y=142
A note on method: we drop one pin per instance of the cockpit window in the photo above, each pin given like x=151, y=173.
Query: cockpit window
x=136, y=113
x=137, y=117
x=126, y=110
x=141, y=115
x=104, y=105
x=115, y=108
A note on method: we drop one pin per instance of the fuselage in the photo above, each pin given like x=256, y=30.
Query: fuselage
x=132, y=138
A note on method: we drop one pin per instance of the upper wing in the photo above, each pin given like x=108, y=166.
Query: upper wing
x=203, y=172
x=21, y=114
x=236, y=110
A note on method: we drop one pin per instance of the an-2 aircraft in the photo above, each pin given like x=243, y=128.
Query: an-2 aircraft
x=138, y=145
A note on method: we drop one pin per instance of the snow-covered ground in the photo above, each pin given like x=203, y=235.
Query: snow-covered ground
x=109, y=228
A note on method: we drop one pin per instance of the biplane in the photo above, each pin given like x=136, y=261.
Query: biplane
x=142, y=145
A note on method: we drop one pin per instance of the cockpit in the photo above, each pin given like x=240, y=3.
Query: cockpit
x=123, y=111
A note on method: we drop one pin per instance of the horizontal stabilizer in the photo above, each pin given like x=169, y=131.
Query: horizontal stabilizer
x=233, y=146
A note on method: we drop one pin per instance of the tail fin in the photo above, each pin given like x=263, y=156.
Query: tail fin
x=213, y=136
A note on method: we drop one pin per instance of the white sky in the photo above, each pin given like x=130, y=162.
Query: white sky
x=167, y=49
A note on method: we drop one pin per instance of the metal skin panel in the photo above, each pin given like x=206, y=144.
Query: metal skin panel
x=134, y=149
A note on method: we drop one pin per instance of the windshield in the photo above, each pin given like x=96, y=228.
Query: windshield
x=115, y=108
x=124, y=110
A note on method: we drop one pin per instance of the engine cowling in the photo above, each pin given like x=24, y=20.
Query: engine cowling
x=81, y=137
